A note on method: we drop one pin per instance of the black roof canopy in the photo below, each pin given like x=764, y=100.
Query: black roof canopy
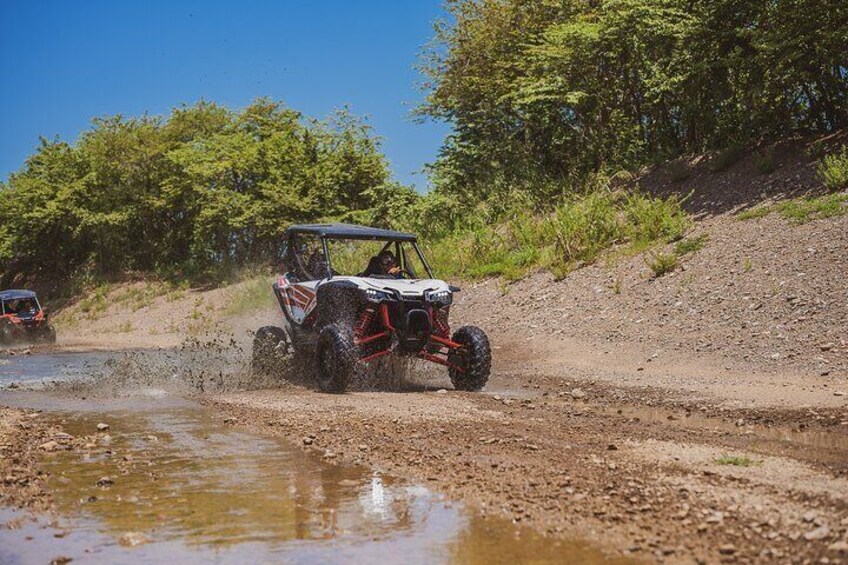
x=15, y=294
x=349, y=231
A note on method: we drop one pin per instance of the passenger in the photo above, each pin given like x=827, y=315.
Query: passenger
x=389, y=265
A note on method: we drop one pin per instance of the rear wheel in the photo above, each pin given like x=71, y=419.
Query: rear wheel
x=474, y=357
x=270, y=350
x=336, y=359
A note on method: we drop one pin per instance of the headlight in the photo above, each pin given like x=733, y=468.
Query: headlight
x=442, y=297
x=375, y=295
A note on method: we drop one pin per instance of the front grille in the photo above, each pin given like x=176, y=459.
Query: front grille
x=398, y=310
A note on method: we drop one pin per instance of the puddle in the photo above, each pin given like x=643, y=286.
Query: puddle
x=198, y=490
x=36, y=369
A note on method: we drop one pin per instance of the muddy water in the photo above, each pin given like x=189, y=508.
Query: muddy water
x=33, y=369
x=174, y=477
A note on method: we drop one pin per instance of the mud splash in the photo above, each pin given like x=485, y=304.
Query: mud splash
x=218, y=362
x=169, y=481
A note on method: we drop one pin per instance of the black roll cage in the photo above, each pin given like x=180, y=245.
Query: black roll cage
x=3, y=302
x=400, y=252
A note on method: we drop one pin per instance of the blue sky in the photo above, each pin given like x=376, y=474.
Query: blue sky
x=64, y=62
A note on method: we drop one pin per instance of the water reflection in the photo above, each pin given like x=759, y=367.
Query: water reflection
x=199, y=490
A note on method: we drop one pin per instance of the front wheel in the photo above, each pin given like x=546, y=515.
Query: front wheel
x=336, y=359
x=49, y=335
x=474, y=358
x=270, y=349
x=7, y=337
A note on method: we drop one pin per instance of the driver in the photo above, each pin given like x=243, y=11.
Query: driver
x=389, y=265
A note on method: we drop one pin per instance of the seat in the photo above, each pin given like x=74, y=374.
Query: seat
x=373, y=267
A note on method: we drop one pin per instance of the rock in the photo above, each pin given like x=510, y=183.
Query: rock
x=441, y=391
x=840, y=546
x=49, y=446
x=827, y=346
x=817, y=534
x=839, y=393
x=727, y=549
x=308, y=441
x=348, y=483
x=363, y=447
x=809, y=516
x=577, y=394
x=101, y=427
x=61, y=560
x=715, y=518
x=105, y=481
x=132, y=539
x=231, y=420
x=612, y=447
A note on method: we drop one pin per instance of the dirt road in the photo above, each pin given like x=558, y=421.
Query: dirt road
x=680, y=472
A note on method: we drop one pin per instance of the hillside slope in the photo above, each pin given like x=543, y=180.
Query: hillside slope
x=764, y=295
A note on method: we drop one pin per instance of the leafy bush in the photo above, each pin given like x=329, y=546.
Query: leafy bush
x=96, y=301
x=803, y=210
x=833, y=170
x=661, y=263
x=574, y=233
x=690, y=245
x=652, y=219
x=735, y=460
x=816, y=150
x=756, y=212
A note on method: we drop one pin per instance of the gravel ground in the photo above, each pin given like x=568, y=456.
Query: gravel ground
x=668, y=484
x=23, y=435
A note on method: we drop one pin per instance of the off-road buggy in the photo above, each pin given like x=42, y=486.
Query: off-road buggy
x=23, y=319
x=339, y=321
